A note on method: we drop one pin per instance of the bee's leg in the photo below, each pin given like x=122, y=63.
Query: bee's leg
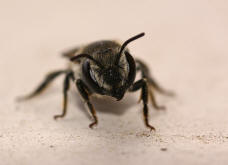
x=84, y=91
x=154, y=102
x=66, y=86
x=152, y=83
x=142, y=84
x=146, y=74
x=48, y=79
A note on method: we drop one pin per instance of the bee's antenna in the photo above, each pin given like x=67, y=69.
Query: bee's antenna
x=86, y=56
x=126, y=43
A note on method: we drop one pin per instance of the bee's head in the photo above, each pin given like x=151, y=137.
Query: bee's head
x=111, y=80
x=112, y=74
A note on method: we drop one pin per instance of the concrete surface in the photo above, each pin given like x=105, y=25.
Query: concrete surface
x=186, y=48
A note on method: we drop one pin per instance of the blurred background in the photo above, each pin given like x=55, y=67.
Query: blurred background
x=185, y=46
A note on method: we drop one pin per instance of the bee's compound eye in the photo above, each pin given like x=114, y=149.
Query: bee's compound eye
x=92, y=74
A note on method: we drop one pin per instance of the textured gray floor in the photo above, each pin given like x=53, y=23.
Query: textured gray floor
x=186, y=48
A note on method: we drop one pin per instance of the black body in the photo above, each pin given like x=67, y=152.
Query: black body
x=105, y=68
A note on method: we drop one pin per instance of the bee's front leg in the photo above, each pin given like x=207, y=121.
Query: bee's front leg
x=84, y=91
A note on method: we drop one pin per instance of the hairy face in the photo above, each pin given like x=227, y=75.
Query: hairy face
x=112, y=78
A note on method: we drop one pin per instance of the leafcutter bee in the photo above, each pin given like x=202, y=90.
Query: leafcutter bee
x=104, y=68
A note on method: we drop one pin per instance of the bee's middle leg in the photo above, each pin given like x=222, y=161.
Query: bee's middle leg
x=152, y=85
x=47, y=81
x=66, y=86
x=151, y=81
x=142, y=84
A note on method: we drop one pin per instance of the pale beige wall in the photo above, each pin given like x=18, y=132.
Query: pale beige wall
x=185, y=46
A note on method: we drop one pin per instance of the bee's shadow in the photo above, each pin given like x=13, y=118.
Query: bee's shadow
x=106, y=104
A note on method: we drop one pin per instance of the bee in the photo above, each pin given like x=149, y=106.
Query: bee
x=104, y=68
